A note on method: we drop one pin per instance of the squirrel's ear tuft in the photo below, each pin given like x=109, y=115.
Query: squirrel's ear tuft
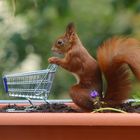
x=70, y=29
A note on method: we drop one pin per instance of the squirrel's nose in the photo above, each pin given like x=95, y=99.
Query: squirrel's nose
x=60, y=42
x=53, y=49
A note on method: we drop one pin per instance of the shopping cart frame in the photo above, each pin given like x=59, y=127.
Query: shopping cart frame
x=30, y=85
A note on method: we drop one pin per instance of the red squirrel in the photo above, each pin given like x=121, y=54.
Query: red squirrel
x=112, y=58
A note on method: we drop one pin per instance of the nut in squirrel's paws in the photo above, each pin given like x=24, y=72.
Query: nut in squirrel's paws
x=53, y=60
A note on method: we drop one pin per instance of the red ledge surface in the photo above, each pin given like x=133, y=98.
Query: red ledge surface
x=71, y=119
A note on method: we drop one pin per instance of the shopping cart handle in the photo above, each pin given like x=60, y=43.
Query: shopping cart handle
x=5, y=84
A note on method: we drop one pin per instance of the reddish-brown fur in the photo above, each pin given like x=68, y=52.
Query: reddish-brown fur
x=112, y=56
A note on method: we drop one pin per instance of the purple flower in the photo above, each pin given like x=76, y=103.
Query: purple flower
x=94, y=94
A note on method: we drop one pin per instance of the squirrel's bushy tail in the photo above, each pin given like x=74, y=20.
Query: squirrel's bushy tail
x=112, y=57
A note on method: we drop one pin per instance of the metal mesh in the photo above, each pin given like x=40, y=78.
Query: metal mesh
x=35, y=84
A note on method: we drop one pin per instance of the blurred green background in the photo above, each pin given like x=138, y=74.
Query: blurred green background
x=28, y=29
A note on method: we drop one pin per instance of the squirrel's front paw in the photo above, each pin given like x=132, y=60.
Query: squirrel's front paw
x=53, y=60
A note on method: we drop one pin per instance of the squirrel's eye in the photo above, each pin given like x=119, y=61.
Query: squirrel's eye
x=60, y=42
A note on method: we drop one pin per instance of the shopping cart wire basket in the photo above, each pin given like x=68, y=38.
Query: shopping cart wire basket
x=30, y=85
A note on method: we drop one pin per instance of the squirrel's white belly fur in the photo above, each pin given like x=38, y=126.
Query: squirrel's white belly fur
x=76, y=77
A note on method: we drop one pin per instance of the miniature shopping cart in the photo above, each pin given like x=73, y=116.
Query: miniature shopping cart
x=30, y=85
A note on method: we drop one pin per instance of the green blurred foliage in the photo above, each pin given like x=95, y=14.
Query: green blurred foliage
x=45, y=20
